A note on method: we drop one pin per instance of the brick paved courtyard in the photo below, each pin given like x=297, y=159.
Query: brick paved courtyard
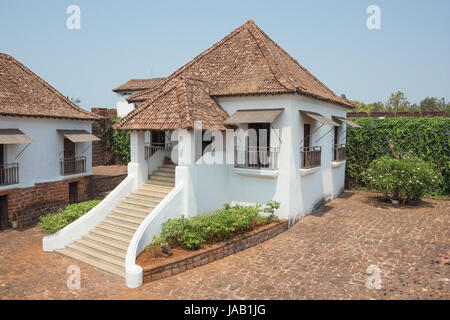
x=325, y=255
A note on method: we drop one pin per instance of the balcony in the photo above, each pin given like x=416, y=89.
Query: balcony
x=256, y=158
x=154, y=147
x=71, y=166
x=310, y=157
x=9, y=174
x=339, y=153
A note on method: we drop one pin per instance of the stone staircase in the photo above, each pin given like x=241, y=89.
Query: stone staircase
x=105, y=247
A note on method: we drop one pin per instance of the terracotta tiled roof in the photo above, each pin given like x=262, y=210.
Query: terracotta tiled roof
x=177, y=104
x=23, y=93
x=246, y=62
x=138, y=84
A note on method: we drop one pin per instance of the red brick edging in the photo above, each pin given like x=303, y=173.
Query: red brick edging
x=205, y=256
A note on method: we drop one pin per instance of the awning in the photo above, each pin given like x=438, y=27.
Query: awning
x=350, y=123
x=78, y=135
x=254, y=116
x=320, y=118
x=13, y=136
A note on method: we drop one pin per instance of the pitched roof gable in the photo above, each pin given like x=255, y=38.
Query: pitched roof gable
x=248, y=62
x=176, y=105
x=23, y=93
x=138, y=84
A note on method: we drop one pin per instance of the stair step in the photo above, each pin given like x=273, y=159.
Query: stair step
x=171, y=166
x=163, y=174
x=128, y=219
x=162, y=178
x=141, y=203
x=120, y=272
x=133, y=207
x=125, y=240
x=159, y=183
x=102, y=248
x=93, y=254
x=105, y=241
x=122, y=224
x=105, y=226
x=167, y=170
x=146, y=197
x=129, y=213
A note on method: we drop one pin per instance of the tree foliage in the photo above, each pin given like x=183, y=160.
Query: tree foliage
x=121, y=144
x=427, y=138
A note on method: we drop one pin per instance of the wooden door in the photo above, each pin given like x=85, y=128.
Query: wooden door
x=4, y=212
x=73, y=192
x=262, y=151
x=2, y=155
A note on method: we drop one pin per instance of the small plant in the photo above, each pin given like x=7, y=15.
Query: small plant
x=270, y=208
x=403, y=179
x=218, y=226
x=52, y=223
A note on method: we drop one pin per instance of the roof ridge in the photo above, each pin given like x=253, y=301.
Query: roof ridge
x=49, y=87
x=192, y=61
x=295, y=61
x=270, y=59
x=144, y=105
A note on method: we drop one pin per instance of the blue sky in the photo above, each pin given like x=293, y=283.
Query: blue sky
x=119, y=40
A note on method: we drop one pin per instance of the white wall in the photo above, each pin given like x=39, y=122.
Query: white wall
x=39, y=162
x=122, y=105
x=209, y=186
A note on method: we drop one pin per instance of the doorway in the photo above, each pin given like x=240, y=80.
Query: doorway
x=73, y=192
x=4, y=221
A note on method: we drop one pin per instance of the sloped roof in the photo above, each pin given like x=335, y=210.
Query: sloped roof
x=138, y=84
x=246, y=62
x=23, y=93
x=177, y=104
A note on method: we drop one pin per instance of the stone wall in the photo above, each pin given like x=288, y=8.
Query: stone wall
x=102, y=153
x=202, y=257
x=28, y=204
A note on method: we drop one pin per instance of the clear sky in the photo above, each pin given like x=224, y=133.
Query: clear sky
x=119, y=40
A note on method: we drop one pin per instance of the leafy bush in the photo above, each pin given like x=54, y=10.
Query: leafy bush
x=402, y=179
x=428, y=138
x=121, y=144
x=221, y=225
x=52, y=223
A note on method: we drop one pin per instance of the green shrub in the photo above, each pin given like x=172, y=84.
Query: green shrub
x=403, y=179
x=219, y=226
x=52, y=223
x=121, y=144
x=428, y=138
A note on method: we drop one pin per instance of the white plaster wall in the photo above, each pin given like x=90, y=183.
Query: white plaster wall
x=122, y=105
x=39, y=162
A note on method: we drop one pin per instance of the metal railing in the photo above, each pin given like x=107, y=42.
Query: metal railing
x=150, y=149
x=310, y=157
x=9, y=174
x=256, y=157
x=72, y=165
x=339, y=153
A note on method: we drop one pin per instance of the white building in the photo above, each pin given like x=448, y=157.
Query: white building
x=130, y=88
x=245, y=81
x=45, y=146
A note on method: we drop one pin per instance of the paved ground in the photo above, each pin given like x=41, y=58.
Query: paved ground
x=325, y=255
x=115, y=170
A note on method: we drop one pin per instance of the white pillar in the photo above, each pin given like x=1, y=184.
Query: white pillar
x=138, y=167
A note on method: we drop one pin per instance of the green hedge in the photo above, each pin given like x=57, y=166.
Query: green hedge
x=121, y=144
x=429, y=138
x=52, y=223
